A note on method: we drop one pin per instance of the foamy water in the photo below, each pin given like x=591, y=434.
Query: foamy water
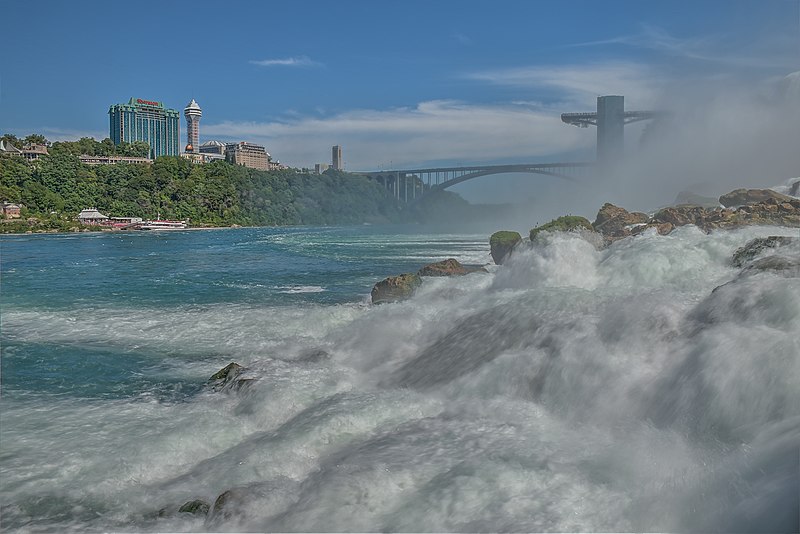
x=569, y=390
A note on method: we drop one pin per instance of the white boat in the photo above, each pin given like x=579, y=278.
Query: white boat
x=163, y=225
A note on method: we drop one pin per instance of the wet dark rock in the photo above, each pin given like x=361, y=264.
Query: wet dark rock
x=615, y=223
x=680, y=215
x=228, y=505
x=757, y=246
x=196, y=507
x=663, y=228
x=502, y=243
x=448, y=267
x=251, y=502
x=226, y=377
x=741, y=197
x=395, y=288
x=789, y=267
x=795, y=189
x=567, y=223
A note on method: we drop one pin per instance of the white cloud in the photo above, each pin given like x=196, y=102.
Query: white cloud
x=462, y=39
x=775, y=51
x=441, y=130
x=299, y=61
x=580, y=84
x=454, y=131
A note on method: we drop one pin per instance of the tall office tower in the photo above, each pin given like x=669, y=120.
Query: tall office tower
x=336, y=158
x=192, y=112
x=148, y=121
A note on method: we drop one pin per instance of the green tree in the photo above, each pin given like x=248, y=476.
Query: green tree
x=13, y=173
x=11, y=138
x=35, y=139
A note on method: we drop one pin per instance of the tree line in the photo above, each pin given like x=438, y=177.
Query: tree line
x=59, y=185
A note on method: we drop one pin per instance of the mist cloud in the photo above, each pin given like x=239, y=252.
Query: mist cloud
x=430, y=131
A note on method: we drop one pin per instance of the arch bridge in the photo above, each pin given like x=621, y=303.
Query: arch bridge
x=408, y=185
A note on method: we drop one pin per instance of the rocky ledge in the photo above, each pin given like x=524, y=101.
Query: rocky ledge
x=401, y=287
x=395, y=288
x=742, y=207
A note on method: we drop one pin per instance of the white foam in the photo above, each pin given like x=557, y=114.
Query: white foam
x=573, y=389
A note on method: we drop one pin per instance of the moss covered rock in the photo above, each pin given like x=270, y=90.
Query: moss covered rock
x=448, y=267
x=226, y=378
x=395, y=288
x=502, y=243
x=567, y=223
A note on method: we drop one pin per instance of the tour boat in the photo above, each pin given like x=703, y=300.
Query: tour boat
x=163, y=225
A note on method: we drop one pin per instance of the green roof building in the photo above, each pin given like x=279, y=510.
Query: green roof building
x=148, y=121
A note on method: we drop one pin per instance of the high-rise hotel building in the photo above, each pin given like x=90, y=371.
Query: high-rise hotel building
x=192, y=112
x=148, y=121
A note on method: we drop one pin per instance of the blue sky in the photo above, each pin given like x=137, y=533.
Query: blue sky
x=396, y=83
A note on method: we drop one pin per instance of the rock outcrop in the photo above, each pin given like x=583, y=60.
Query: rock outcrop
x=784, y=266
x=567, y=223
x=395, y=288
x=755, y=247
x=502, y=243
x=743, y=197
x=448, y=267
x=615, y=223
x=229, y=378
x=196, y=507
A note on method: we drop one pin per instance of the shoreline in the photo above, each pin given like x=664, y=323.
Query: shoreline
x=116, y=231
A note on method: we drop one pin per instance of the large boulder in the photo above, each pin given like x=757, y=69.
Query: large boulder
x=567, y=223
x=448, y=267
x=755, y=247
x=680, y=215
x=395, y=288
x=502, y=243
x=742, y=197
x=614, y=222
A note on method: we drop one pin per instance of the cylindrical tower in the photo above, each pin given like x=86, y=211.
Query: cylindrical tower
x=192, y=112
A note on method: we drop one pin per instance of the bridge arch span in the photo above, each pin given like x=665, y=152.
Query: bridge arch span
x=478, y=174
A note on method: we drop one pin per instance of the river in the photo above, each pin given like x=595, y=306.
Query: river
x=572, y=389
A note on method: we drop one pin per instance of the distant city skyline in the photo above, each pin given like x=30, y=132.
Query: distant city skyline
x=473, y=82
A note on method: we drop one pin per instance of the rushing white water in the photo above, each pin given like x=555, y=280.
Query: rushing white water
x=569, y=390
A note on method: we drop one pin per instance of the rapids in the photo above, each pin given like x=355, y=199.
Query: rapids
x=649, y=386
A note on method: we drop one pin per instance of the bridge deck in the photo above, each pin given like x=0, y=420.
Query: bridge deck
x=410, y=184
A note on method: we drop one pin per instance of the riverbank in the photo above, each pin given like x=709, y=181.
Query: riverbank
x=16, y=227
